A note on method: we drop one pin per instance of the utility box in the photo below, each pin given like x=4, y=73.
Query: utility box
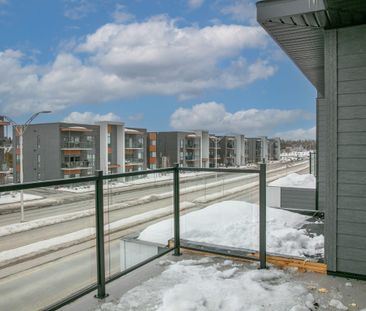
x=134, y=251
x=291, y=198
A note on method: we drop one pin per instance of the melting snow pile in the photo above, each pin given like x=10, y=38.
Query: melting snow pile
x=235, y=224
x=12, y=197
x=295, y=180
x=207, y=286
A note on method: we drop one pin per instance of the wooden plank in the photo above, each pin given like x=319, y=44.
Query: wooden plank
x=358, y=203
x=279, y=261
x=352, y=151
x=352, y=99
x=354, y=112
x=352, y=177
x=352, y=74
x=352, y=138
x=352, y=125
x=351, y=87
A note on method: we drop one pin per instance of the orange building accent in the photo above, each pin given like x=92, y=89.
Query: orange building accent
x=109, y=150
x=72, y=152
x=72, y=171
x=152, y=148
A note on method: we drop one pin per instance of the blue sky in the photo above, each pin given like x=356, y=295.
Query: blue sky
x=158, y=64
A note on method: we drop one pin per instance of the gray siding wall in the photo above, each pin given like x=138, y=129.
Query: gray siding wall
x=42, y=140
x=351, y=213
x=167, y=146
x=322, y=153
x=303, y=199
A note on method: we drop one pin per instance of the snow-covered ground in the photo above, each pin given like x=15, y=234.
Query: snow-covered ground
x=235, y=224
x=208, y=285
x=295, y=180
x=12, y=197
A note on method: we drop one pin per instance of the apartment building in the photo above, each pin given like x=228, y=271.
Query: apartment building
x=151, y=150
x=135, y=149
x=57, y=150
x=190, y=149
x=5, y=145
x=257, y=149
x=112, y=146
x=274, y=149
x=214, y=151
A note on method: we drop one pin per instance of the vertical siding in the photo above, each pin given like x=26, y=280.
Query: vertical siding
x=322, y=138
x=351, y=224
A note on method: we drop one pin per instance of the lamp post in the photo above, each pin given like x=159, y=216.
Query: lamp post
x=20, y=130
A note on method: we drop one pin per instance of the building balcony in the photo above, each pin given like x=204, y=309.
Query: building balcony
x=76, y=165
x=134, y=146
x=77, y=146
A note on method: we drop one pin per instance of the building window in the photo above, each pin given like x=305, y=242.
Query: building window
x=38, y=160
x=109, y=139
x=153, y=142
x=153, y=154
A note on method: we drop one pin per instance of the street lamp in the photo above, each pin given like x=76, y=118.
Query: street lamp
x=20, y=130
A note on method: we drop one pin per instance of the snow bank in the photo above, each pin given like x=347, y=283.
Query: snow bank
x=13, y=197
x=204, y=286
x=235, y=224
x=295, y=180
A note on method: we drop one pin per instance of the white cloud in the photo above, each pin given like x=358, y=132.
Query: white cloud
x=195, y=4
x=136, y=117
x=90, y=117
x=240, y=10
x=120, y=15
x=298, y=134
x=155, y=57
x=213, y=116
x=77, y=9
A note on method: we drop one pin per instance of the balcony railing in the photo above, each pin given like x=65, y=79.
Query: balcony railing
x=135, y=145
x=77, y=145
x=77, y=164
x=98, y=233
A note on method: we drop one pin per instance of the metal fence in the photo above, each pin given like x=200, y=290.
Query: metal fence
x=99, y=192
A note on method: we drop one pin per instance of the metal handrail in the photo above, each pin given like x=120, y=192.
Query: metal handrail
x=99, y=214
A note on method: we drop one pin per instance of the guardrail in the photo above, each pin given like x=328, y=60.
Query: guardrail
x=98, y=181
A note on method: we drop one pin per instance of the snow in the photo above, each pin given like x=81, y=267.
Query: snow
x=12, y=197
x=43, y=246
x=235, y=224
x=337, y=304
x=295, y=180
x=202, y=285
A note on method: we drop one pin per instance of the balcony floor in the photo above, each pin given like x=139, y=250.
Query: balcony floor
x=337, y=290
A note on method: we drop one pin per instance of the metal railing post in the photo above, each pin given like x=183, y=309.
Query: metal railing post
x=176, y=212
x=99, y=223
x=310, y=164
x=262, y=216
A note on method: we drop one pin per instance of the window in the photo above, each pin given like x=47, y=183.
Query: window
x=38, y=160
x=153, y=142
x=153, y=154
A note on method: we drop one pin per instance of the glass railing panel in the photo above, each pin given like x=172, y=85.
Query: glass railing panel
x=221, y=211
x=132, y=210
x=51, y=254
